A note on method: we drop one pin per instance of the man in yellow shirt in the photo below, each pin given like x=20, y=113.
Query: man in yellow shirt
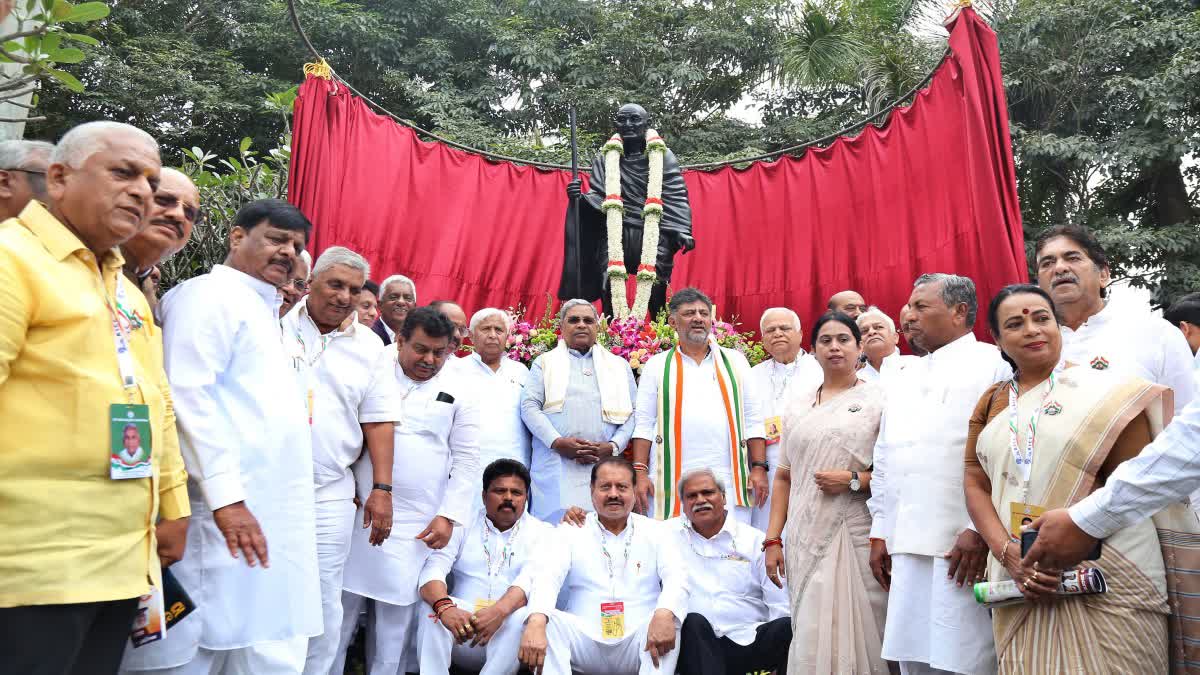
x=80, y=358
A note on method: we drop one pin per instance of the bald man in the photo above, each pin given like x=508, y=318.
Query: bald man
x=165, y=231
x=849, y=303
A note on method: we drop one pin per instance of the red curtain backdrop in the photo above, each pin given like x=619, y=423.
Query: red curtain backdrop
x=932, y=190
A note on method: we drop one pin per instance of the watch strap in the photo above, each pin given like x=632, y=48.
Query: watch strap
x=386, y=487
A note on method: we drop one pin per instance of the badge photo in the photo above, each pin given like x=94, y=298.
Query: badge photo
x=130, y=441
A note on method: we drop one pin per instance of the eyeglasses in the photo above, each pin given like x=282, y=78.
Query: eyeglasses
x=462, y=331
x=300, y=285
x=36, y=173
x=169, y=201
x=588, y=320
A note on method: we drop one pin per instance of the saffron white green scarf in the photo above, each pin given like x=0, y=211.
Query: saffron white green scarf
x=668, y=460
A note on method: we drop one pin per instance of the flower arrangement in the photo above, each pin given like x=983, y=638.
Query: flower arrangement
x=631, y=338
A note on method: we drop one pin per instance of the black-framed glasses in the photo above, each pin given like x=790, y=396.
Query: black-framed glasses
x=168, y=201
x=300, y=285
x=29, y=171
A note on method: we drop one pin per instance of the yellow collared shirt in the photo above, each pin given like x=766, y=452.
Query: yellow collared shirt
x=70, y=533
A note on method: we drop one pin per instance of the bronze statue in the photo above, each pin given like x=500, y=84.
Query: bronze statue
x=589, y=249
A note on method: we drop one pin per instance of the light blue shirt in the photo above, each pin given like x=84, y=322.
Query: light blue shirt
x=558, y=482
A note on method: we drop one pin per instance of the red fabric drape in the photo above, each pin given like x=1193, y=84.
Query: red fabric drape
x=932, y=190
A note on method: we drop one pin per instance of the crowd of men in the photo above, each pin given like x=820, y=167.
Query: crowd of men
x=318, y=453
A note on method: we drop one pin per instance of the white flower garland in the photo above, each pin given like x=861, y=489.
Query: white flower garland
x=614, y=207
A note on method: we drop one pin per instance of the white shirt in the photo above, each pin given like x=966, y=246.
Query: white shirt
x=650, y=577
x=705, y=425
x=390, y=333
x=348, y=374
x=916, y=502
x=485, y=562
x=894, y=360
x=1165, y=472
x=731, y=569
x=499, y=395
x=243, y=430
x=435, y=472
x=1127, y=339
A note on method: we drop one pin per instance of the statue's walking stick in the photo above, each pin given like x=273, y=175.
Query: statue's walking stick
x=573, y=212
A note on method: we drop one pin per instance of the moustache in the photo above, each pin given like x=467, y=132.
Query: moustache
x=508, y=505
x=1065, y=279
x=285, y=262
x=175, y=226
x=702, y=507
x=615, y=501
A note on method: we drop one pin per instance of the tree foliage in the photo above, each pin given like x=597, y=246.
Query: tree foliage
x=1104, y=95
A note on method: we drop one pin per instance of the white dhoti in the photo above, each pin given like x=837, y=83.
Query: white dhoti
x=571, y=650
x=932, y=621
x=283, y=657
x=438, y=649
x=335, y=521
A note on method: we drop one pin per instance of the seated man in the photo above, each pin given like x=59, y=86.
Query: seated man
x=490, y=563
x=623, y=585
x=741, y=622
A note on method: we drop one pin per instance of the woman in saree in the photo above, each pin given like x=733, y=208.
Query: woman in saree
x=818, y=534
x=1045, y=440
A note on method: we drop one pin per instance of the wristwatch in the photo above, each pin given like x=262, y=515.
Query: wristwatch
x=764, y=465
x=855, y=486
x=382, y=486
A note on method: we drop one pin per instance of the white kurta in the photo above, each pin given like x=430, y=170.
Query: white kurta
x=346, y=376
x=435, y=471
x=243, y=431
x=774, y=382
x=479, y=564
x=499, y=395
x=728, y=578
x=917, y=505
x=575, y=562
x=894, y=360
x=705, y=428
x=1127, y=339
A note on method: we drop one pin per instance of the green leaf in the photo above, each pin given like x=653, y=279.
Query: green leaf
x=245, y=144
x=68, y=80
x=68, y=55
x=84, y=12
x=50, y=43
x=85, y=39
x=60, y=9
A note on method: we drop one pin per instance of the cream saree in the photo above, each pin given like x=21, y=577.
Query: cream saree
x=1126, y=629
x=838, y=609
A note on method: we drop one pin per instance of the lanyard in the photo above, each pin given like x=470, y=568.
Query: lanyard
x=123, y=321
x=608, y=556
x=789, y=369
x=1025, y=460
x=506, y=553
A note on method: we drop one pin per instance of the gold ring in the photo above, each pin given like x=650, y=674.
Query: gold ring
x=1026, y=584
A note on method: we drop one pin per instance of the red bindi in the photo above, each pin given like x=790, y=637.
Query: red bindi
x=1025, y=311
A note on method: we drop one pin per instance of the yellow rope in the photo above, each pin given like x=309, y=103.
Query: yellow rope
x=962, y=4
x=319, y=69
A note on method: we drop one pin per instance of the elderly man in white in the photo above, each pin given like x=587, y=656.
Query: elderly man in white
x=880, y=344
x=924, y=549
x=578, y=403
x=251, y=563
x=497, y=382
x=351, y=396
x=475, y=590
x=738, y=620
x=774, y=378
x=623, y=587
x=436, y=469
x=707, y=414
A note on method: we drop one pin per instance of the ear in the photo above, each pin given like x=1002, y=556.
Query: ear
x=1105, y=277
x=6, y=179
x=895, y=338
x=236, y=236
x=56, y=181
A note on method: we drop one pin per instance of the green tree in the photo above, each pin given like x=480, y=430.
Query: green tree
x=1104, y=100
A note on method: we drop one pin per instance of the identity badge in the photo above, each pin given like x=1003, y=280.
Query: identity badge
x=130, y=441
x=1021, y=515
x=774, y=427
x=612, y=620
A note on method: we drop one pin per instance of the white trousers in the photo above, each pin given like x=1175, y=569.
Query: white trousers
x=334, y=520
x=282, y=657
x=390, y=632
x=570, y=650
x=438, y=649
